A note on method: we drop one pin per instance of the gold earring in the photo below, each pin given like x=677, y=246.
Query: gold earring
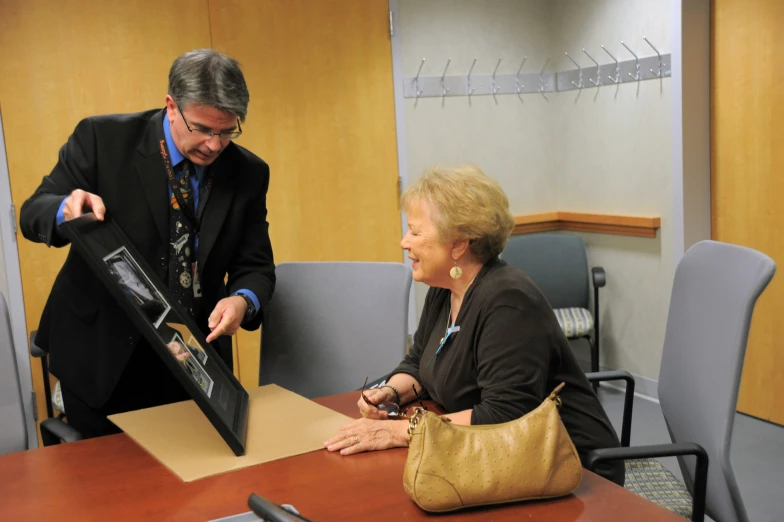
x=456, y=272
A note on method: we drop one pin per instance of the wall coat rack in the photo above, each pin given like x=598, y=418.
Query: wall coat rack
x=593, y=77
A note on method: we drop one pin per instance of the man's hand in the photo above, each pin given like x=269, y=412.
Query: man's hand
x=79, y=200
x=227, y=316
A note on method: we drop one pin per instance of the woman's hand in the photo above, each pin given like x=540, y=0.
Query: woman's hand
x=368, y=435
x=375, y=396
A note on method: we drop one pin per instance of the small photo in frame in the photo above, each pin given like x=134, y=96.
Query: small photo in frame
x=184, y=356
x=135, y=283
x=192, y=344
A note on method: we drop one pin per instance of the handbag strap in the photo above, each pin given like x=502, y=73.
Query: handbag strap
x=554, y=395
x=413, y=420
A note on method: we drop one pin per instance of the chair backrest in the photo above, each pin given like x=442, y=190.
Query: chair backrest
x=13, y=431
x=557, y=264
x=714, y=291
x=330, y=325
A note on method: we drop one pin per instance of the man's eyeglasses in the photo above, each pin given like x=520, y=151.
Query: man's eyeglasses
x=223, y=136
x=392, y=409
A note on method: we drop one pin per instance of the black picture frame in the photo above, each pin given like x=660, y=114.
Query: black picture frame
x=164, y=323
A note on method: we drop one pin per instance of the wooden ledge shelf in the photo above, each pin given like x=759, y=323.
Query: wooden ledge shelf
x=579, y=222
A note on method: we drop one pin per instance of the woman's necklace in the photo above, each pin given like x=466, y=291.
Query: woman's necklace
x=449, y=329
x=448, y=318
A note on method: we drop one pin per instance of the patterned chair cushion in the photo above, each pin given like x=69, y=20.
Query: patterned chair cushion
x=57, y=398
x=651, y=480
x=575, y=322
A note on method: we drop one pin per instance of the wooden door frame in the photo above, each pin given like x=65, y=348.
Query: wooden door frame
x=15, y=297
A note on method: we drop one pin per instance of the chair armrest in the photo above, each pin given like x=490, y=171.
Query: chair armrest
x=599, y=280
x=676, y=449
x=61, y=430
x=628, y=400
x=599, y=277
x=35, y=350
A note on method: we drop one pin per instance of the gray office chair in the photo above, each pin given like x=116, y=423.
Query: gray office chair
x=715, y=289
x=54, y=429
x=558, y=265
x=330, y=325
x=13, y=430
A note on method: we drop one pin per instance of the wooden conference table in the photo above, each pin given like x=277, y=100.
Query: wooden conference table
x=112, y=478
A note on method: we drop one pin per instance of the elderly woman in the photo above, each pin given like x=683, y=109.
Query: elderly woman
x=488, y=348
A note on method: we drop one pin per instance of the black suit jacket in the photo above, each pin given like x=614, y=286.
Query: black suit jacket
x=89, y=337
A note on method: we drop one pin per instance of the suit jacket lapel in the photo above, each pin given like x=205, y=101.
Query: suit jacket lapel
x=152, y=175
x=217, y=207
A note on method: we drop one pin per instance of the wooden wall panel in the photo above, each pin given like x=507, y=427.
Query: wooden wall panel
x=63, y=60
x=747, y=162
x=638, y=226
x=321, y=112
x=322, y=115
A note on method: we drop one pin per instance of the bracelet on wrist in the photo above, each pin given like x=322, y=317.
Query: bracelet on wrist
x=397, y=395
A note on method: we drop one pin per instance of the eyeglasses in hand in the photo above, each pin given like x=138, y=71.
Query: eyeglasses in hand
x=392, y=409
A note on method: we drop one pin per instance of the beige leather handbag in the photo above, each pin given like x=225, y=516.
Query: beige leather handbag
x=452, y=467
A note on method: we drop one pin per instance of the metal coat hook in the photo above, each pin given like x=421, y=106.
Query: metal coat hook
x=416, y=79
x=468, y=80
x=519, y=86
x=579, y=83
x=617, y=78
x=494, y=86
x=444, y=90
x=542, y=83
x=658, y=73
x=598, y=82
x=637, y=76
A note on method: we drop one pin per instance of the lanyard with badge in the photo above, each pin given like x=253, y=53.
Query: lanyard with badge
x=187, y=210
x=449, y=331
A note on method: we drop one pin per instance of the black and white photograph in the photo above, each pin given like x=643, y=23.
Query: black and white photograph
x=135, y=283
x=191, y=344
x=184, y=356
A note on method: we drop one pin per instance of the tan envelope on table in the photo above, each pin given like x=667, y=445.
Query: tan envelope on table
x=280, y=424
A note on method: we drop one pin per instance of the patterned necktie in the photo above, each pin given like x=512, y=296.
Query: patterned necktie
x=181, y=242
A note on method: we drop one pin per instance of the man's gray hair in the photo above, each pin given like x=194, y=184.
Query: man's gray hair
x=207, y=77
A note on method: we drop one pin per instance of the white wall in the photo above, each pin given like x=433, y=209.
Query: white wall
x=691, y=37
x=509, y=137
x=603, y=151
x=612, y=148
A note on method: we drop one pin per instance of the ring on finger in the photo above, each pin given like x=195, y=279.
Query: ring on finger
x=356, y=439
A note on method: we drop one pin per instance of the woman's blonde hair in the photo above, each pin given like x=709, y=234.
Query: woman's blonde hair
x=467, y=204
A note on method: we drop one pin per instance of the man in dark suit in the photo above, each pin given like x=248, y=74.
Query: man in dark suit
x=194, y=205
